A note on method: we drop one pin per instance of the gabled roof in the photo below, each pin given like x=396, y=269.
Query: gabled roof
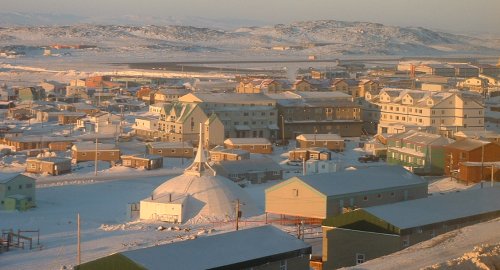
x=439, y=208
x=357, y=181
x=467, y=144
x=233, y=250
x=248, y=165
x=7, y=177
x=321, y=137
x=249, y=141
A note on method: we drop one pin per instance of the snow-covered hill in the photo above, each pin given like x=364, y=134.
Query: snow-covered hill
x=326, y=37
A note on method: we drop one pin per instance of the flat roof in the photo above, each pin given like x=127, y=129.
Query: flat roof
x=439, y=208
x=359, y=180
x=221, y=250
x=248, y=165
x=247, y=141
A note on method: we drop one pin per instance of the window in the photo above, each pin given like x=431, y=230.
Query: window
x=20, y=186
x=360, y=258
x=379, y=196
x=84, y=154
x=392, y=194
x=365, y=198
x=406, y=241
x=276, y=173
x=29, y=185
x=295, y=192
x=159, y=151
x=283, y=265
x=172, y=151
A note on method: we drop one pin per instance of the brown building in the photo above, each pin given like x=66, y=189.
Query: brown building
x=34, y=142
x=252, y=145
x=220, y=153
x=48, y=165
x=148, y=162
x=69, y=117
x=318, y=112
x=464, y=158
x=369, y=233
x=331, y=142
x=314, y=153
x=171, y=149
x=60, y=146
x=86, y=151
x=325, y=195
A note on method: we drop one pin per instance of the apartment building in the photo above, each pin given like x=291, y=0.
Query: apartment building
x=243, y=115
x=180, y=122
x=399, y=110
x=318, y=112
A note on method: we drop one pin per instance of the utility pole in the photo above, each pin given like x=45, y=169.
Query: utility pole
x=96, y=150
x=78, y=247
x=238, y=213
x=283, y=131
x=451, y=167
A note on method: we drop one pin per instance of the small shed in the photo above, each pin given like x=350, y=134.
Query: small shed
x=49, y=165
x=171, y=149
x=148, y=162
x=171, y=206
x=252, y=145
x=220, y=153
x=331, y=142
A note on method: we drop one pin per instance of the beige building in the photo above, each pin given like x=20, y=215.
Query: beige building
x=179, y=122
x=252, y=145
x=146, y=127
x=255, y=86
x=220, y=153
x=325, y=195
x=169, y=95
x=399, y=110
x=475, y=84
x=243, y=115
x=171, y=149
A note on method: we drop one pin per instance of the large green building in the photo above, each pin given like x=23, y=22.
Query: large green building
x=423, y=152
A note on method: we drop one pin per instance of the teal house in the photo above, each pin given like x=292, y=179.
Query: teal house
x=17, y=192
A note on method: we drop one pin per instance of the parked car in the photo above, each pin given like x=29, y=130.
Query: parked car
x=368, y=158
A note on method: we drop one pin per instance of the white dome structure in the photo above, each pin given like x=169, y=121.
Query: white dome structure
x=197, y=195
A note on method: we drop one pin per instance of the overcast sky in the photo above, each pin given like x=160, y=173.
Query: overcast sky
x=451, y=15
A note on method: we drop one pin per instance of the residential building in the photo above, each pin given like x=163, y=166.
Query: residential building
x=48, y=165
x=443, y=70
x=475, y=84
x=255, y=86
x=486, y=135
x=321, y=166
x=264, y=247
x=171, y=149
x=68, y=118
x=147, y=127
x=243, y=115
x=17, y=192
x=7, y=132
x=369, y=233
x=317, y=112
x=423, y=152
x=101, y=122
x=399, y=110
x=252, y=145
x=220, y=153
x=169, y=95
x=329, y=73
x=314, y=153
x=179, y=122
x=463, y=155
x=87, y=151
x=21, y=143
x=325, y=195
x=464, y=70
x=332, y=142
x=255, y=170
x=31, y=93
x=140, y=161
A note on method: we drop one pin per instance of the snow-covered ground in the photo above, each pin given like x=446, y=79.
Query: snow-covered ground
x=472, y=247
